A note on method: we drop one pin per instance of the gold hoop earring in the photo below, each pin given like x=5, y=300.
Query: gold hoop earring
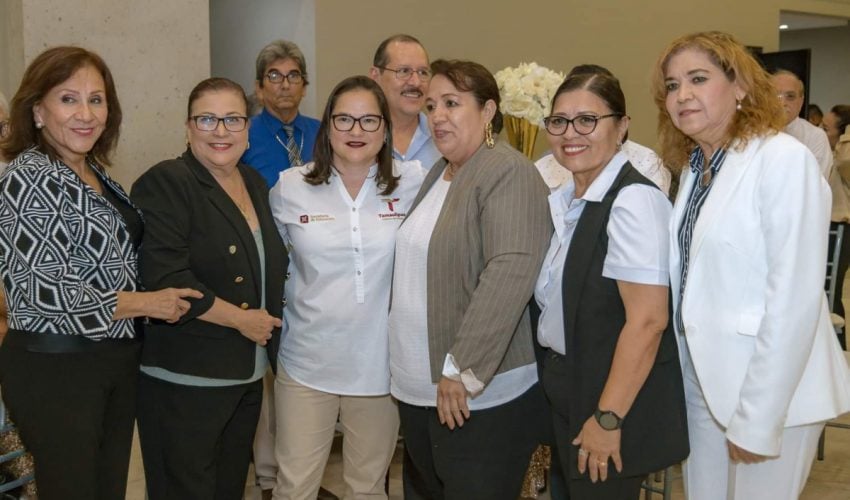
x=488, y=136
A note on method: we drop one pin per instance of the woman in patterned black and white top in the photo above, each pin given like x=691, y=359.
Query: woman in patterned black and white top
x=68, y=240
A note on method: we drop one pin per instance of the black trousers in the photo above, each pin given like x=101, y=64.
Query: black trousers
x=485, y=459
x=75, y=412
x=556, y=382
x=196, y=441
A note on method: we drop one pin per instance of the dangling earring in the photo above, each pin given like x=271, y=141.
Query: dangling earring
x=738, y=106
x=488, y=136
x=248, y=146
x=39, y=125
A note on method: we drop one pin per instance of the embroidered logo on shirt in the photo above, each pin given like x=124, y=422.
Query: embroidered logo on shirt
x=391, y=214
x=304, y=219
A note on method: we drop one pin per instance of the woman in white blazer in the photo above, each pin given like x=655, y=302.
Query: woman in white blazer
x=762, y=366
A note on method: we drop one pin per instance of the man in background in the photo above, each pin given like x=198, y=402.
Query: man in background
x=401, y=69
x=280, y=136
x=790, y=91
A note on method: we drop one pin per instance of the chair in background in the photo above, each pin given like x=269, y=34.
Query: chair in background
x=665, y=477
x=15, y=463
x=836, y=235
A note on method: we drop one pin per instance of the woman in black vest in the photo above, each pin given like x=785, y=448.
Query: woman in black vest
x=609, y=366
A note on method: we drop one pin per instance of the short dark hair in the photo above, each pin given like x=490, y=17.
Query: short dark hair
x=599, y=81
x=814, y=109
x=381, y=58
x=593, y=69
x=277, y=50
x=215, y=84
x=842, y=112
x=469, y=76
x=323, y=152
x=46, y=71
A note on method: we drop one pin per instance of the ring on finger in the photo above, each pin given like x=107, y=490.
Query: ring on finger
x=603, y=464
x=582, y=452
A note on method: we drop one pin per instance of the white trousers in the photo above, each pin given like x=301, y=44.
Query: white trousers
x=265, y=465
x=709, y=473
x=306, y=421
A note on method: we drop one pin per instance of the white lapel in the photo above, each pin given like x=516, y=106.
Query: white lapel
x=728, y=179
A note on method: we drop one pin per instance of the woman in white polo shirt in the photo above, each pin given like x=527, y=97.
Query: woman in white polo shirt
x=339, y=217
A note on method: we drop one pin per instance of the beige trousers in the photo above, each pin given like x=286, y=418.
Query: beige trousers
x=265, y=464
x=306, y=420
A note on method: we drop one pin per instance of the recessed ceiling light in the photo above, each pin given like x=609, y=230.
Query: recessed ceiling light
x=783, y=26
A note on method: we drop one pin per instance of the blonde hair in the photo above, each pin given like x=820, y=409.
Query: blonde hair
x=761, y=112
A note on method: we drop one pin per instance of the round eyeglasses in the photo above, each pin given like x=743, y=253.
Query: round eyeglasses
x=582, y=124
x=368, y=123
x=405, y=73
x=293, y=77
x=208, y=123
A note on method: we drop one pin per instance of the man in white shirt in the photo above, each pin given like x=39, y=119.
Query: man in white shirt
x=400, y=67
x=790, y=90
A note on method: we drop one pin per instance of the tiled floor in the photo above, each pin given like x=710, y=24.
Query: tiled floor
x=829, y=479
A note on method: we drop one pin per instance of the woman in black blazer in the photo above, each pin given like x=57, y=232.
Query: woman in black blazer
x=209, y=226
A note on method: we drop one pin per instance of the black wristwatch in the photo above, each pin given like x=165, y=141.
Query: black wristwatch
x=608, y=420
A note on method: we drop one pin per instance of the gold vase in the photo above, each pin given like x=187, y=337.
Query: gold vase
x=522, y=134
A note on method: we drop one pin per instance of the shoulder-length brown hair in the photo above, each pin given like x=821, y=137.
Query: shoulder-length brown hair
x=760, y=114
x=323, y=152
x=49, y=69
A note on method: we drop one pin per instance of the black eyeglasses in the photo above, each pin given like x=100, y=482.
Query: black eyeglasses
x=368, y=123
x=294, y=77
x=208, y=123
x=405, y=73
x=583, y=124
x=4, y=128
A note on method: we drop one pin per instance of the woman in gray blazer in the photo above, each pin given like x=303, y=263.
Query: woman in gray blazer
x=461, y=354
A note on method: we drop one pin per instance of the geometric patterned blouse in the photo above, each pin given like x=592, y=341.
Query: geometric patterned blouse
x=64, y=250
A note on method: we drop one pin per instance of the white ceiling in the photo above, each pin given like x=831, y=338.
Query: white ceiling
x=800, y=21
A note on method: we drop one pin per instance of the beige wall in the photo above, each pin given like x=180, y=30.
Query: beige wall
x=11, y=46
x=622, y=35
x=157, y=51
x=830, y=62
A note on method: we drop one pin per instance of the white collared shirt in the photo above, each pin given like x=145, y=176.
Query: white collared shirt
x=638, y=244
x=641, y=157
x=340, y=265
x=815, y=139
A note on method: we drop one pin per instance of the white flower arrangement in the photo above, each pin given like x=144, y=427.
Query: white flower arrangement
x=527, y=91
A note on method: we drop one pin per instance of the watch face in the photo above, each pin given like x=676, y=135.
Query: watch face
x=608, y=421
